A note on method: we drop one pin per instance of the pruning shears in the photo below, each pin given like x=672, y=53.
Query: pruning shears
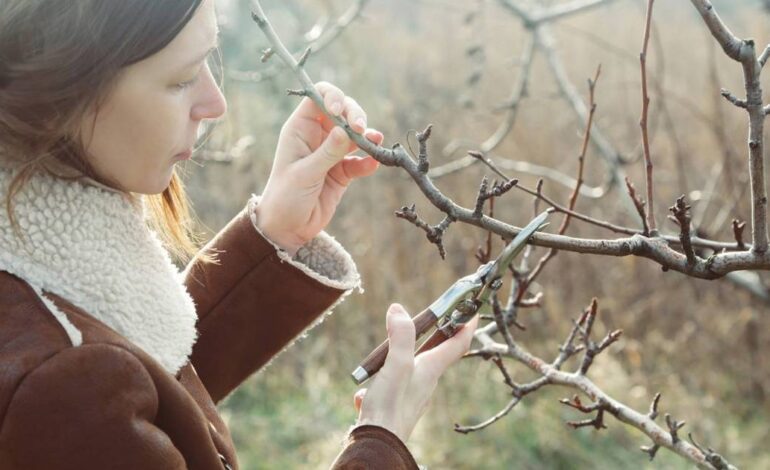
x=458, y=304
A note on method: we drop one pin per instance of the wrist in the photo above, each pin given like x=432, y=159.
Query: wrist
x=289, y=243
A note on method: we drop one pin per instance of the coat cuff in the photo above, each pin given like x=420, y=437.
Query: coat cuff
x=374, y=447
x=323, y=258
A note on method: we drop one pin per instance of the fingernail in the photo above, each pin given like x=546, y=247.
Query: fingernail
x=336, y=108
x=396, y=309
x=360, y=122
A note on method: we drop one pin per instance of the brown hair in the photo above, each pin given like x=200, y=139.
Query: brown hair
x=58, y=60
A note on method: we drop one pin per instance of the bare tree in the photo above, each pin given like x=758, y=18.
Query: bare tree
x=685, y=252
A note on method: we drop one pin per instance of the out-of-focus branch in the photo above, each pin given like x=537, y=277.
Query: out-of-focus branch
x=546, y=15
x=576, y=190
x=607, y=152
x=319, y=43
x=520, y=167
x=535, y=22
x=744, y=51
x=545, y=42
x=511, y=105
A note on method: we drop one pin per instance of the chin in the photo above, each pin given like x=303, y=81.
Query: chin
x=150, y=188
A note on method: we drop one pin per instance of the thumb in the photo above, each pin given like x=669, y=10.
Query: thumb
x=399, y=362
x=329, y=153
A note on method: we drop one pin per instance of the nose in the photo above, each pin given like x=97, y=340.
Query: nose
x=211, y=103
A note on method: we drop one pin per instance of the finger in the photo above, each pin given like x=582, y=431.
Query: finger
x=334, y=98
x=437, y=360
x=355, y=115
x=358, y=167
x=353, y=167
x=358, y=399
x=372, y=135
x=401, y=336
x=331, y=151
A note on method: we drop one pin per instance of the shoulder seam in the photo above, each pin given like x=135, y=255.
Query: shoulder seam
x=75, y=337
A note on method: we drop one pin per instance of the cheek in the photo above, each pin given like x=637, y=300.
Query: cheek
x=134, y=139
x=149, y=128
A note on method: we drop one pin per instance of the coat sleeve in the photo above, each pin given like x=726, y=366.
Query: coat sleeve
x=257, y=299
x=373, y=448
x=91, y=406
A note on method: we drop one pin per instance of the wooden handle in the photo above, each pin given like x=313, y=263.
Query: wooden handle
x=424, y=321
x=438, y=337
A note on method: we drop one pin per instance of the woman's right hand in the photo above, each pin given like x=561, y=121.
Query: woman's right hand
x=400, y=392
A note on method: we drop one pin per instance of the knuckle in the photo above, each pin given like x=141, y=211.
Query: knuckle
x=328, y=155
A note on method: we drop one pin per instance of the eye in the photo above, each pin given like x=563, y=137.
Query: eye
x=186, y=84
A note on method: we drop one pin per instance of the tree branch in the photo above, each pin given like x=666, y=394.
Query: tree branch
x=656, y=249
x=601, y=402
x=743, y=51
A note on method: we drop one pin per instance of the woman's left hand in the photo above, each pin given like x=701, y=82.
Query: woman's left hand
x=312, y=169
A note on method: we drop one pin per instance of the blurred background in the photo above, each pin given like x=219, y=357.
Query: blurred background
x=454, y=64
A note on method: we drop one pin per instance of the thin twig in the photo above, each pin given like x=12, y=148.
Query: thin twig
x=738, y=227
x=643, y=123
x=681, y=216
x=576, y=190
x=434, y=233
x=639, y=204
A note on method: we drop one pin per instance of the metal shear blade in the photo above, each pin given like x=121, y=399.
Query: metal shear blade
x=479, y=284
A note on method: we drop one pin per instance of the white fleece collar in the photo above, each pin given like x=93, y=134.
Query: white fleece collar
x=92, y=247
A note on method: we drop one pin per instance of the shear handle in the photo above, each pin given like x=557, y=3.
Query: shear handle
x=438, y=337
x=423, y=322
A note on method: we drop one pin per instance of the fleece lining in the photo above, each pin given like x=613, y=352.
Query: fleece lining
x=93, y=248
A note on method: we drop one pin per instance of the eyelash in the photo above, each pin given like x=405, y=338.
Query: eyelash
x=183, y=85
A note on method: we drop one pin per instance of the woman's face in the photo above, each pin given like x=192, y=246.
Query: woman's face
x=155, y=110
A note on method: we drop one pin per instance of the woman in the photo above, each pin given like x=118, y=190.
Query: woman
x=109, y=357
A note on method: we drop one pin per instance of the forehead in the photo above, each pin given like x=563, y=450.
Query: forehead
x=199, y=32
x=196, y=37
